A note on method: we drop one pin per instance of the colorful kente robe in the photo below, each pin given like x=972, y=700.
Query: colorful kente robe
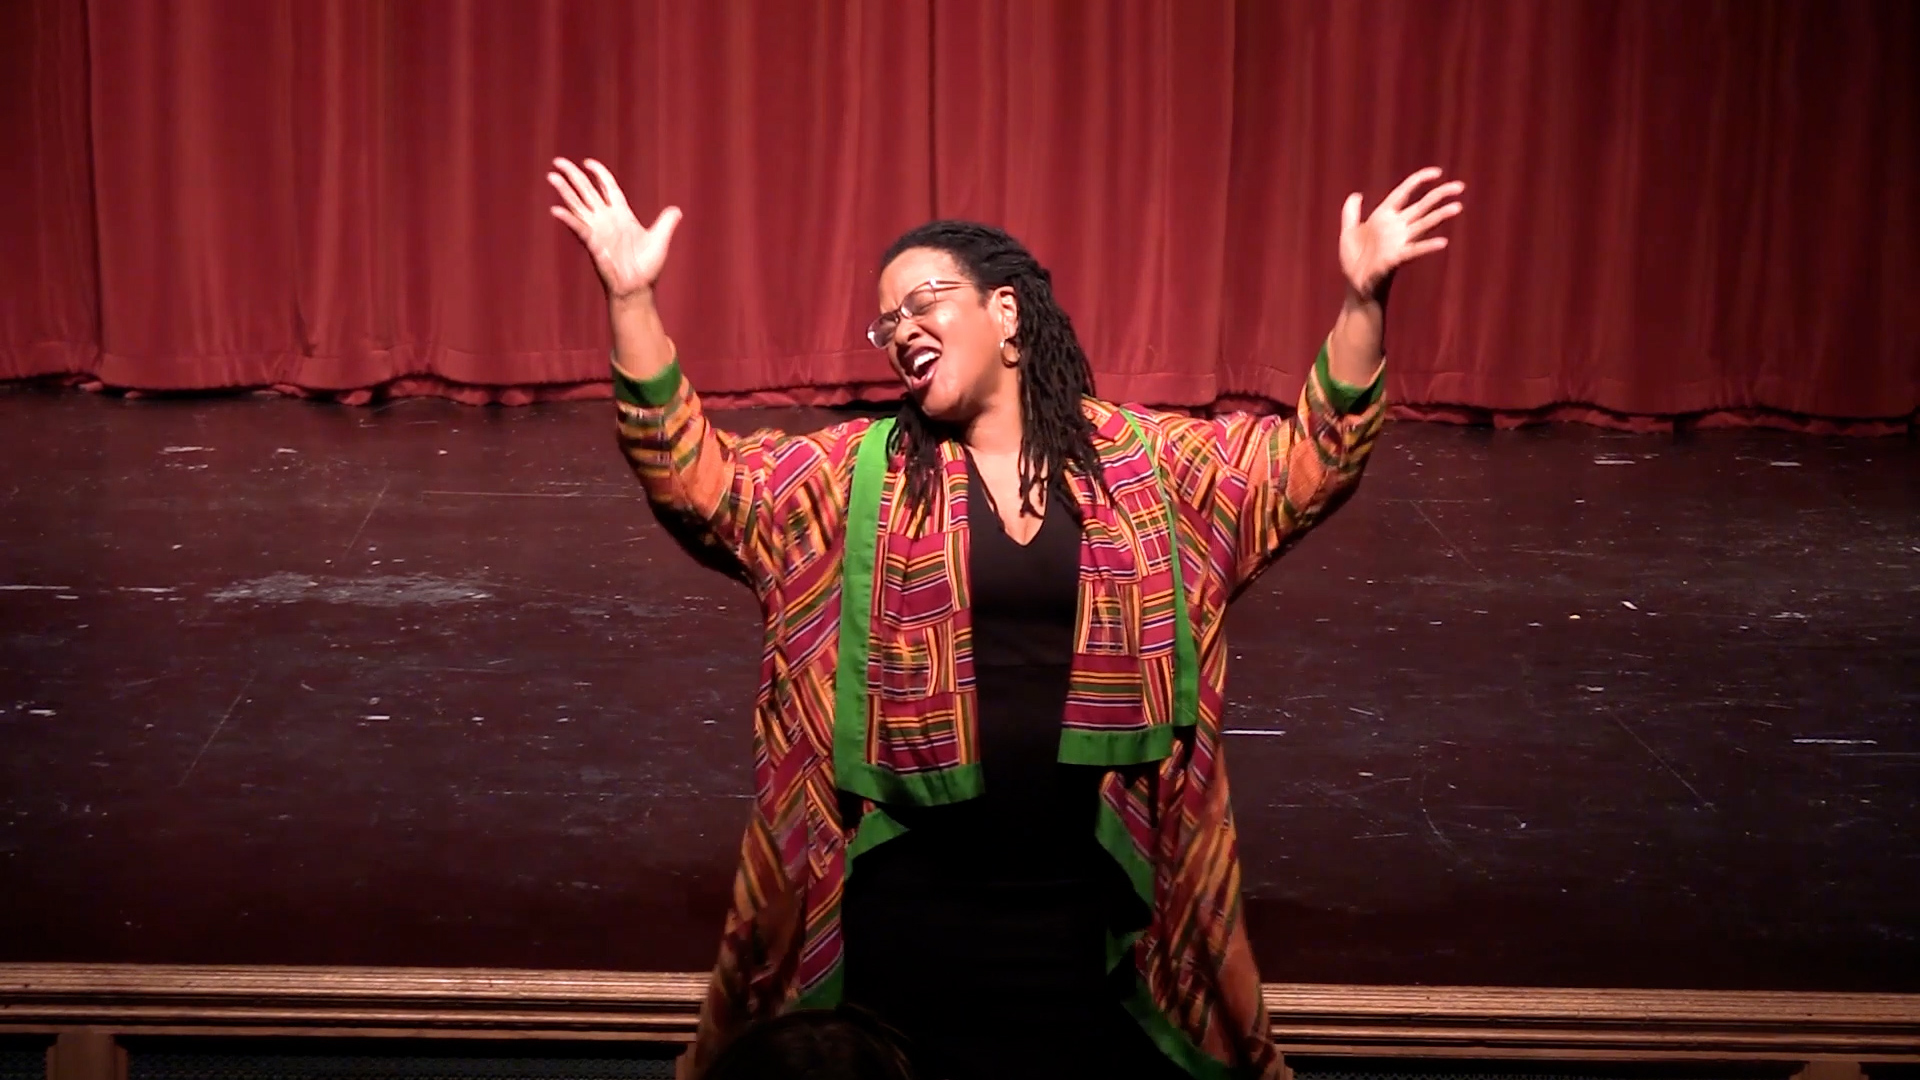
x=774, y=510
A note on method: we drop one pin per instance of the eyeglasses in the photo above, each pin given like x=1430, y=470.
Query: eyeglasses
x=917, y=304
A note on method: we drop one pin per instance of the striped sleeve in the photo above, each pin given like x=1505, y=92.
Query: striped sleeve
x=726, y=498
x=1263, y=481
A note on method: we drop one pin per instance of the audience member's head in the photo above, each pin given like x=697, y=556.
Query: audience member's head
x=815, y=1044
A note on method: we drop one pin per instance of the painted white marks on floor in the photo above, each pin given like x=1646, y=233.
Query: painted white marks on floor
x=35, y=588
x=1629, y=605
x=1836, y=742
x=170, y=451
x=386, y=590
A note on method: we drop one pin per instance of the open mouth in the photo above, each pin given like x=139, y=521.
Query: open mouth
x=918, y=365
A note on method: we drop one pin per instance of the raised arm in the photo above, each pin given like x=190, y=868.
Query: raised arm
x=1255, y=484
x=713, y=490
x=1263, y=481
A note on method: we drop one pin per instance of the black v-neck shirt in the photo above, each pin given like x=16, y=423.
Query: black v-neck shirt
x=988, y=918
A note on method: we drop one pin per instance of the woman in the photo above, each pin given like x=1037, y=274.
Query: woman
x=990, y=799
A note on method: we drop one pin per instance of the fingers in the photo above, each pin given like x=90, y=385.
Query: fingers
x=584, y=189
x=568, y=219
x=588, y=199
x=662, y=229
x=1434, y=197
x=668, y=220
x=1423, y=247
x=1407, y=187
x=1422, y=224
x=1350, y=213
x=568, y=195
x=614, y=196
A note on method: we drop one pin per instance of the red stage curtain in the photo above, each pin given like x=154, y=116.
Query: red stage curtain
x=49, y=292
x=1675, y=208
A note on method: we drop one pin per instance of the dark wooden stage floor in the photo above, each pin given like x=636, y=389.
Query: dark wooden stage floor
x=425, y=685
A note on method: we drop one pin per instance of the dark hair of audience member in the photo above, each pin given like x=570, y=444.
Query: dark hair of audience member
x=846, y=1043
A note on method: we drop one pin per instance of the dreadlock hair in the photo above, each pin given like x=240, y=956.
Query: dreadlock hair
x=1055, y=434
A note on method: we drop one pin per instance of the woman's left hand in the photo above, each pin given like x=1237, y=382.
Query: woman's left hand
x=1395, y=233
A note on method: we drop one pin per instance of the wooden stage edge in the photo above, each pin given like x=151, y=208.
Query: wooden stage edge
x=1648, y=1025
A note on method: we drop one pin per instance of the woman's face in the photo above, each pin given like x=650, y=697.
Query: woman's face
x=945, y=346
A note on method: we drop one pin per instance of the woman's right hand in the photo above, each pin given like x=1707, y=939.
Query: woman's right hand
x=628, y=256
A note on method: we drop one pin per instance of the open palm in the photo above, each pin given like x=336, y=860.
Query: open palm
x=628, y=256
x=1395, y=233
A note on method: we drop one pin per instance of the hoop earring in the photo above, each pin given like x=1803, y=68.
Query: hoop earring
x=1014, y=361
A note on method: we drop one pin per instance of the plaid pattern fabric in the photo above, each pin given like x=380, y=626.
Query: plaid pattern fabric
x=772, y=509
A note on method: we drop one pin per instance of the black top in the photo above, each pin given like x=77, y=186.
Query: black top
x=981, y=931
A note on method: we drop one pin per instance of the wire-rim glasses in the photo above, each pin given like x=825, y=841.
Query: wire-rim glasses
x=919, y=301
